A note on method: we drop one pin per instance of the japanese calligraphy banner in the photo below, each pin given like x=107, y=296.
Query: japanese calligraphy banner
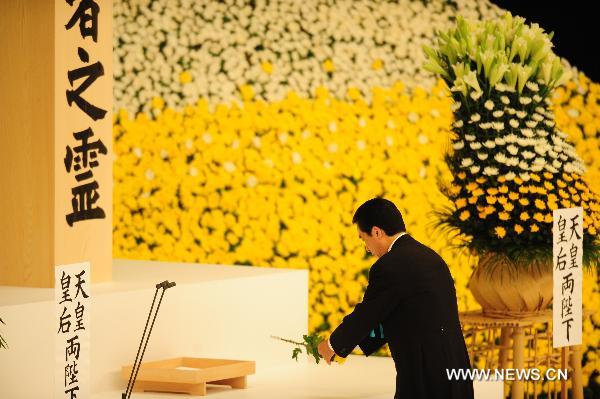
x=568, y=277
x=83, y=139
x=72, y=330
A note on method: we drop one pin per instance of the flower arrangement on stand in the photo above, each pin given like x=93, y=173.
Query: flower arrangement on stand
x=511, y=166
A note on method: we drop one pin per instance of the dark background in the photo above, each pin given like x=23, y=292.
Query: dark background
x=576, y=28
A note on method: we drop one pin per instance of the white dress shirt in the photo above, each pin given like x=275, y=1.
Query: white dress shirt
x=389, y=249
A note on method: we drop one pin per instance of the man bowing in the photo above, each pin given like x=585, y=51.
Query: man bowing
x=410, y=303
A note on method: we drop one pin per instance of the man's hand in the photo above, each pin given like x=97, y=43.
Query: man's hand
x=325, y=351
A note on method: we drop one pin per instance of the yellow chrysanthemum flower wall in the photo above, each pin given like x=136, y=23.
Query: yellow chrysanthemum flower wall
x=236, y=145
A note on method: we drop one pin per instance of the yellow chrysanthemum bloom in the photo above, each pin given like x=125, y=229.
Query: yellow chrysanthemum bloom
x=534, y=228
x=464, y=215
x=539, y=204
x=524, y=216
x=185, y=77
x=460, y=203
x=328, y=65
x=513, y=196
x=503, y=216
x=377, y=64
x=267, y=67
x=500, y=231
x=518, y=228
x=524, y=201
x=491, y=199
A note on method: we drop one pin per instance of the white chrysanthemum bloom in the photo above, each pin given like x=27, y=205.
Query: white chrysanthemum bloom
x=542, y=132
x=527, y=132
x=193, y=171
x=511, y=138
x=537, y=168
x=512, y=161
x=455, y=106
x=525, y=100
x=525, y=176
x=568, y=168
x=489, y=144
x=512, y=149
x=459, y=145
x=389, y=140
x=482, y=156
x=510, y=176
x=164, y=154
x=363, y=123
x=556, y=163
x=475, y=118
x=563, y=157
x=229, y=167
x=490, y=171
x=501, y=87
x=549, y=123
x=513, y=123
x=528, y=154
x=423, y=139
x=361, y=145
x=207, y=138
x=540, y=110
x=475, y=146
x=552, y=154
x=333, y=147
x=413, y=117
x=500, y=157
x=505, y=100
x=475, y=169
x=511, y=111
x=458, y=123
x=149, y=174
x=500, y=141
x=485, y=125
x=498, y=126
x=537, y=98
x=573, y=113
x=498, y=114
x=466, y=162
x=137, y=152
x=489, y=105
x=476, y=95
x=531, y=124
x=470, y=137
x=541, y=149
x=523, y=165
x=251, y=181
x=521, y=114
x=296, y=158
x=537, y=117
x=550, y=168
x=532, y=86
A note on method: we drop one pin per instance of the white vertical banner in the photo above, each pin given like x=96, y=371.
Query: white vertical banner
x=72, y=293
x=567, y=251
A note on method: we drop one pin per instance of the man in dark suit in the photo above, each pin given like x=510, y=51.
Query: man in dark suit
x=410, y=303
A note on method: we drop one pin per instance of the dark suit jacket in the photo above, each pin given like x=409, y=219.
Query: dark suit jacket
x=411, y=294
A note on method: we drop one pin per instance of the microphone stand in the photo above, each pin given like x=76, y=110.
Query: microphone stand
x=136, y=364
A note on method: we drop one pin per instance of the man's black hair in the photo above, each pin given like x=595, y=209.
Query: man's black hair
x=381, y=213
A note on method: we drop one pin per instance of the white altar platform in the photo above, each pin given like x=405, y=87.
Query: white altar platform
x=359, y=377
x=214, y=311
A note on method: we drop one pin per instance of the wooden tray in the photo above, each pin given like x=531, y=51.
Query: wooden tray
x=189, y=375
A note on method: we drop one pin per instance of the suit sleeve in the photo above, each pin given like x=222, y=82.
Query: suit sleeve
x=381, y=297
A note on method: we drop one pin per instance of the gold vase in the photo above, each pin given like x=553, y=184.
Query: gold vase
x=503, y=287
